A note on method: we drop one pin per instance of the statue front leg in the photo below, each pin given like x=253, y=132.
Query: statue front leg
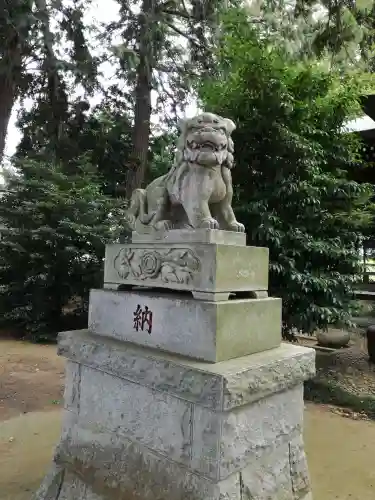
x=194, y=199
x=158, y=205
x=225, y=212
x=199, y=214
x=227, y=218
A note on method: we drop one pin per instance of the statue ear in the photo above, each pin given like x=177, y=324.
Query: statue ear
x=230, y=126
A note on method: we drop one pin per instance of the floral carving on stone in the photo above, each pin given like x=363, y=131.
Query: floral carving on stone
x=176, y=265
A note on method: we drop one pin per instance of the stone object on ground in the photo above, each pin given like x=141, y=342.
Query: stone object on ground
x=370, y=335
x=180, y=388
x=333, y=337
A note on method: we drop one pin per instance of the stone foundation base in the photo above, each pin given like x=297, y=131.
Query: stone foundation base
x=139, y=424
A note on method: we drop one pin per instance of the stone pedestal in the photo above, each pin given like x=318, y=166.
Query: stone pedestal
x=210, y=266
x=143, y=423
x=211, y=331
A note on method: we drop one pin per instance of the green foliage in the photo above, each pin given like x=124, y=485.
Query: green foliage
x=343, y=32
x=103, y=134
x=53, y=248
x=162, y=155
x=290, y=178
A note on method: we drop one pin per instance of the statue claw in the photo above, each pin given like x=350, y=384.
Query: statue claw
x=237, y=226
x=210, y=223
x=163, y=225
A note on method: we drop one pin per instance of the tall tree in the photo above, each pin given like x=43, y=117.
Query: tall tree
x=164, y=44
x=28, y=52
x=15, y=29
x=290, y=177
x=342, y=28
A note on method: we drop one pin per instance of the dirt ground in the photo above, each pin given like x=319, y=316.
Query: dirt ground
x=339, y=450
x=31, y=378
x=348, y=368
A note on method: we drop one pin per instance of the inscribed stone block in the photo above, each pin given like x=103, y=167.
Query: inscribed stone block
x=211, y=331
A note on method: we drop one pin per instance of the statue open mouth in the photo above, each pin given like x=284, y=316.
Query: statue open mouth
x=206, y=146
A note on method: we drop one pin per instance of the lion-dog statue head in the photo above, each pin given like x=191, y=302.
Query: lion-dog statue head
x=206, y=140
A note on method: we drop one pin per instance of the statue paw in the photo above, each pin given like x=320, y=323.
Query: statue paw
x=237, y=226
x=163, y=225
x=209, y=223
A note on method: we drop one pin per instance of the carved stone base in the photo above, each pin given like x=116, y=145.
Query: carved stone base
x=138, y=424
x=196, y=267
x=212, y=331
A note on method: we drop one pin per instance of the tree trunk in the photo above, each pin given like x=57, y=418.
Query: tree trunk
x=16, y=28
x=10, y=71
x=8, y=93
x=55, y=94
x=142, y=114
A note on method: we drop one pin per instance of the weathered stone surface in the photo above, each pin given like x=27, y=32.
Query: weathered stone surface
x=69, y=418
x=75, y=489
x=212, y=443
x=137, y=425
x=279, y=475
x=211, y=331
x=143, y=366
x=259, y=426
x=159, y=421
x=233, y=439
x=110, y=465
x=72, y=386
x=207, y=236
x=298, y=468
x=51, y=486
x=219, y=386
x=60, y=484
x=115, y=467
x=208, y=268
x=268, y=477
x=269, y=372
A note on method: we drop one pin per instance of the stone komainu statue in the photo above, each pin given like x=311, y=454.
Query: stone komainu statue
x=197, y=191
